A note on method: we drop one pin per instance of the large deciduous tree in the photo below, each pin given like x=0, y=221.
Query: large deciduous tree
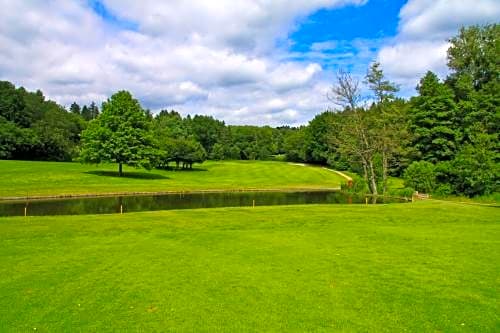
x=121, y=134
x=474, y=53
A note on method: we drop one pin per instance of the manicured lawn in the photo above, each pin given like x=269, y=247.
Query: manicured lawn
x=422, y=267
x=21, y=178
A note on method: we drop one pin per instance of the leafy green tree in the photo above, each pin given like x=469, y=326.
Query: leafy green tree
x=121, y=134
x=252, y=142
x=475, y=79
x=206, y=130
x=475, y=169
x=193, y=153
x=9, y=138
x=234, y=153
x=181, y=150
x=169, y=125
x=58, y=132
x=389, y=119
x=294, y=145
x=421, y=176
x=383, y=89
x=12, y=105
x=39, y=129
x=319, y=144
x=474, y=53
x=218, y=152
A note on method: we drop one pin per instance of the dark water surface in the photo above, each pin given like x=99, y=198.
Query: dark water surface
x=139, y=203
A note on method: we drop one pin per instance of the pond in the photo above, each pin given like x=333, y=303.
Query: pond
x=138, y=203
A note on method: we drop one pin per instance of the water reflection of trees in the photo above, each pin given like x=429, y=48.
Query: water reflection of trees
x=110, y=205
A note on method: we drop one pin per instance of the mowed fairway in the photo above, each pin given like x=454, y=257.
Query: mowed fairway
x=422, y=267
x=22, y=178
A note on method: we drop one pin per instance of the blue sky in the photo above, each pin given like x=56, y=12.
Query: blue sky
x=246, y=62
x=101, y=10
x=375, y=20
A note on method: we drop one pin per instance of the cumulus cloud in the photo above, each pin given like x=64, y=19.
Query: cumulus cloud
x=225, y=58
x=412, y=59
x=241, y=25
x=425, y=27
x=217, y=57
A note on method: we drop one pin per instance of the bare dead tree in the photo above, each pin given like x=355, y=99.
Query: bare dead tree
x=346, y=92
x=355, y=139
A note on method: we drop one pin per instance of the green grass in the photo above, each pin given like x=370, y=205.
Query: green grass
x=422, y=267
x=21, y=178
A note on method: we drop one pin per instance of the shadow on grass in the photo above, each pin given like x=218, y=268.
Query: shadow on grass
x=183, y=170
x=127, y=174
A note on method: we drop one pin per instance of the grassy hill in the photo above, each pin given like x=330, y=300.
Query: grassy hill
x=21, y=178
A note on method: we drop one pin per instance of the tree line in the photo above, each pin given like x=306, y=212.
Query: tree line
x=444, y=139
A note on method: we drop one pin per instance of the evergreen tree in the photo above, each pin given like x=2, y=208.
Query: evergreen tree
x=433, y=120
x=93, y=111
x=75, y=108
x=86, y=114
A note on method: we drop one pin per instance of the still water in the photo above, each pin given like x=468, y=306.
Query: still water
x=138, y=203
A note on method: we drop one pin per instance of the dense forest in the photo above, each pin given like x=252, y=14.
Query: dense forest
x=443, y=140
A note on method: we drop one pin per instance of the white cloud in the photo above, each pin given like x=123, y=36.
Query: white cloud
x=424, y=29
x=212, y=57
x=407, y=60
x=241, y=25
x=324, y=46
x=442, y=18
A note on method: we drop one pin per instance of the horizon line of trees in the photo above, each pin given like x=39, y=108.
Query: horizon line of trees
x=444, y=139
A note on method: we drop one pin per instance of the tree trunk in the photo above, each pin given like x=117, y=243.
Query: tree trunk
x=365, y=169
x=120, y=170
x=373, y=178
x=385, y=166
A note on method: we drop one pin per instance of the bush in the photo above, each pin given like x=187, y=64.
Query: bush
x=475, y=170
x=359, y=185
x=405, y=192
x=279, y=158
x=421, y=176
x=444, y=190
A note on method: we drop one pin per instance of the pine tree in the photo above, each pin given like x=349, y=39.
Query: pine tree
x=434, y=120
x=86, y=113
x=75, y=108
x=93, y=111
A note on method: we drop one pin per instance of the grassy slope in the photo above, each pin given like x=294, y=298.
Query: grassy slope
x=422, y=267
x=19, y=178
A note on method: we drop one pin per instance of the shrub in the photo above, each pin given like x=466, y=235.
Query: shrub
x=444, y=190
x=421, y=176
x=406, y=192
x=475, y=169
x=359, y=185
